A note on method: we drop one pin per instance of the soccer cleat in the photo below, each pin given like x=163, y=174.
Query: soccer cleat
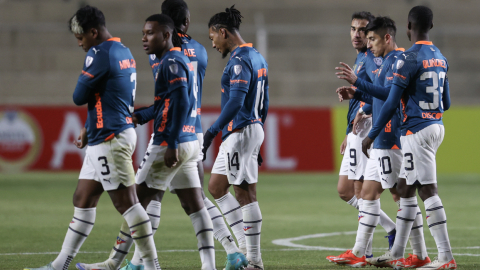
x=255, y=265
x=348, y=258
x=131, y=266
x=387, y=260
x=436, y=264
x=46, y=267
x=414, y=262
x=391, y=240
x=94, y=266
x=235, y=261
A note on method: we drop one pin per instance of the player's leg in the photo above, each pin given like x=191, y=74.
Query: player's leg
x=345, y=187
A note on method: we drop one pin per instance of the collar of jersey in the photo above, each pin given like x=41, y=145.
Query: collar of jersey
x=114, y=39
x=178, y=49
x=423, y=42
x=246, y=45
x=400, y=49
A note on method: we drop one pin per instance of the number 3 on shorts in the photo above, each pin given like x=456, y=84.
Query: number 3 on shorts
x=410, y=156
x=233, y=162
x=105, y=164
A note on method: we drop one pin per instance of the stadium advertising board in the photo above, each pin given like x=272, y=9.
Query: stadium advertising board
x=40, y=138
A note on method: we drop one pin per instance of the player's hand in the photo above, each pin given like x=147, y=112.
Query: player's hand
x=171, y=157
x=259, y=159
x=366, y=144
x=82, y=139
x=345, y=93
x=134, y=119
x=207, y=141
x=346, y=73
x=343, y=145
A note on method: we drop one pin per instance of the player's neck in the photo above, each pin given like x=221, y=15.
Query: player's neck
x=235, y=41
x=169, y=46
x=416, y=37
x=103, y=35
x=389, y=48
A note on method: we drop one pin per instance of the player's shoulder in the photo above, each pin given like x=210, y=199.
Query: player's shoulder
x=175, y=60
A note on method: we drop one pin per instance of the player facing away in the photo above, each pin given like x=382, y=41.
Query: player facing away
x=354, y=162
x=174, y=149
x=244, y=110
x=107, y=84
x=384, y=163
x=420, y=86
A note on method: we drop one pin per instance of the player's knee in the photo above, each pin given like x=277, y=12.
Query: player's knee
x=344, y=195
x=216, y=191
x=81, y=200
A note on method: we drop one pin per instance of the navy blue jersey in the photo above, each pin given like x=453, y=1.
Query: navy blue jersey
x=199, y=60
x=246, y=71
x=174, y=72
x=107, y=84
x=365, y=67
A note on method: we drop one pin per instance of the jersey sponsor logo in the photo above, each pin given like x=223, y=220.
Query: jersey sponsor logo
x=189, y=52
x=173, y=68
x=388, y=126
x=189, y=129
x=199, y=111
x=191, y=67
x=87, y=74
x=158, y=98
x=164, y=115
x=152, y=57
x=389, y=78
x=428, y=115
x=400, y=64
x=88, y=61
x=98, y=106
x=95, y=50
x=378, y=61
x=181, y=79
x=238, y=81
x=230, y=126
x=237, y=69
x=154, y=65
x=434, y=63
x=400, y=76
x=262, y=72
x=129, y=120
x=127, y=63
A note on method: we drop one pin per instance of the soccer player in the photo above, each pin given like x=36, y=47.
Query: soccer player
x=420, y=84
x=354, y=162
x=174, y=148
x=384, y=163
x=107, y=84
x=244, y=110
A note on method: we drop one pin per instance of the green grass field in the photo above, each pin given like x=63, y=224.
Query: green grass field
x=36, y=208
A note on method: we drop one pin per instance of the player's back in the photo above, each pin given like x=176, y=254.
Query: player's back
x=422, y=70
x=110, y=74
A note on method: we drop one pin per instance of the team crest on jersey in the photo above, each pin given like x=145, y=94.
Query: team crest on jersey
x=88, y=61
x=173, y=68
x=378, y=61
x=152, y=57
x=237, y=69
x=400, y=64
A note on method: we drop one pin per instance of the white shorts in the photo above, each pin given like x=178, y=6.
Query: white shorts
x=200, y=142
x=384, y=166
x=237, y=158
x=419, y=150
x=357, y=159
x=110, y=162
x=157, y=175
x=346, y=157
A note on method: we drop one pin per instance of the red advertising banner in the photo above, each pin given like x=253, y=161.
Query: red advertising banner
x=40, y=138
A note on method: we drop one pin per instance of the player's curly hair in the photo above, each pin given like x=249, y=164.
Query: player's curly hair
x=382, y=26
x=85, y=19
x=363, y=15
x=163, y=19
x=421, y=17
x=177, y=10
x=230, y=19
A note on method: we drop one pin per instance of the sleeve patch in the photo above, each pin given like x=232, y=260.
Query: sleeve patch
x=88, y=61
x=173, y=68
x=237, y=69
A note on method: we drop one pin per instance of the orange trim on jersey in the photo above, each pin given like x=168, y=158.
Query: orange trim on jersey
x=246, y=45
x=409, y=132
x=164, y=115
x=400, y=49
x=423, y=42
x=114, y=39
x=164, y=143
x=395, y=147
x=87, y=74
x=176, y=49
x=111, y=136
x=180, y=79
x=400, y=76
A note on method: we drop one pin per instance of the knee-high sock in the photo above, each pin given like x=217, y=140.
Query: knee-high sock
x=353, y=202
x=202, y=224
x=437, y=222
x=141, y=232
x=252, y=220
x=405, y=217
x=154, y=209
x=370, y=215
x=121, y=247
x=220, y=230
x=417, y=241
x=80, y=227
x=386, y=222
x=233, y=214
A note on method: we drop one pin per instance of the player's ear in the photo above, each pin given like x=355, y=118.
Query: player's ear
x=431, y=26
x=166, y=35
x=93, y=32
x=409, y=26
x=224, y=33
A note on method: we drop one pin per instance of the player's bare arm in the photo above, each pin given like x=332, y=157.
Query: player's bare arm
x=346, y=73
x=171, y=157
x=343, y=145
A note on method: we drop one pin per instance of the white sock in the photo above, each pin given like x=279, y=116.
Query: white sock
x=370, y=215
x=233, y=214
x=405, y=217
x=141, y=232
x=417, y=241
x=220, y=230
x=252, y=220
x=121, y=247
x=153, y=210
x=80, y=227
x=386, y=222
x=437, y=222
x=353, y=202
x=202, y=224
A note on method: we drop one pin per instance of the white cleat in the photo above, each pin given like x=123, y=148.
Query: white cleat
x=46, y=267
x=386, y=260
x=255, y=265
x=436, y=264
x=95, y=266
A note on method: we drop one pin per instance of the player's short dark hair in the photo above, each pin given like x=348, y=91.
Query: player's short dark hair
x=175, y=9
x=382, y=26
x=421, y=17
x=230, y=19
x=85, y=19
x=363, y=15
x=165, y=20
